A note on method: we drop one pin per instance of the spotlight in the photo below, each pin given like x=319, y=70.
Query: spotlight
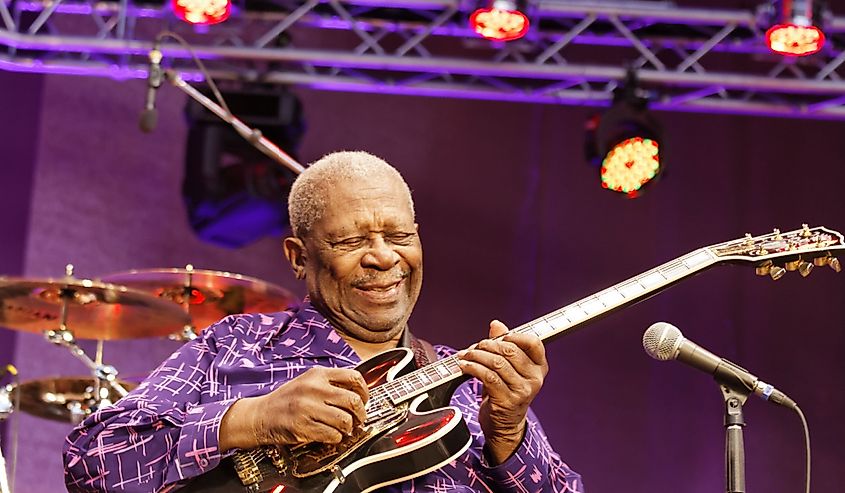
x=626, y=142
x=502, y=20
x=793, y=31
x=234, y=194
x=202, y=12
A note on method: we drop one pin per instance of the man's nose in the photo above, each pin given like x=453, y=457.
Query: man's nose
x=380, y=255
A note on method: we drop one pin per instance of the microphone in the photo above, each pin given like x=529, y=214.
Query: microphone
x=149, y=115
x=663, y=341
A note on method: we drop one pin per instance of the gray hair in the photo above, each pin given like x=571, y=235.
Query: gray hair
x=307, y=198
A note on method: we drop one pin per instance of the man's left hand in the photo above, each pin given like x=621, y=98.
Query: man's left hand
x=512, y=369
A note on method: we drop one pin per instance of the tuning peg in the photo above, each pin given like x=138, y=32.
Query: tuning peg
x=805, y=231
x=793, y=265
x=834, y=264
x=764, y=268
x=821, y=261
x=776, y=232
x=804, y=268
x=776, y=272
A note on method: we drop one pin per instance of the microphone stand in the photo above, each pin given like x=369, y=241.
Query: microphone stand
x=734, y=445
x=252, y=135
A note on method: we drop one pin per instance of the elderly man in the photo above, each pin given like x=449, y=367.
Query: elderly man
x=287, y=378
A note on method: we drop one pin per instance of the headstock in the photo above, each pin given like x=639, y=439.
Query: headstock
x=777, y=253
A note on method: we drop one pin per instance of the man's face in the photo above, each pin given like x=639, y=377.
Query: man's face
x=363, y=262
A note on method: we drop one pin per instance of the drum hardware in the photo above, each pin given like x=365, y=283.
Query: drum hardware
x=103, y=373
x=206, y=296
x=71, y=308
x=65, y=399
x=7, y=407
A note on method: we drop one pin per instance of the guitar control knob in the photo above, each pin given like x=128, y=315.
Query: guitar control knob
x=834, y=264
x=804, y=268
x=776, y=272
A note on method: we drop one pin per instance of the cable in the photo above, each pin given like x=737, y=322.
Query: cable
x=806, y=445
x=208, y=79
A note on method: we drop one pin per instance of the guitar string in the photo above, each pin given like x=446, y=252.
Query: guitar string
x=396, y=389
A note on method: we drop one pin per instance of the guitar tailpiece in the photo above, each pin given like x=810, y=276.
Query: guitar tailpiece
x=246, y=466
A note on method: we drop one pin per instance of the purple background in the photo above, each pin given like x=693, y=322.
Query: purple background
x=514, y=225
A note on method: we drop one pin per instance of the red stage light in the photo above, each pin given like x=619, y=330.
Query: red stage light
x=795, y=26
x=502, y=21
x=204, y=12
x=630, y=164
x=794, y=40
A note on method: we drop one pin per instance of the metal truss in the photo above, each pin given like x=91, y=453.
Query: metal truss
x=577, y=52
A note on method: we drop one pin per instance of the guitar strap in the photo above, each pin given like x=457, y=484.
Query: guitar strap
x=424, y=352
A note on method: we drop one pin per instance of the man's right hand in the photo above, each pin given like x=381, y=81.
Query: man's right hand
x=321, y=405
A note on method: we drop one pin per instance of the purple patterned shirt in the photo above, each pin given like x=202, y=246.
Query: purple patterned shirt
x=165, y=432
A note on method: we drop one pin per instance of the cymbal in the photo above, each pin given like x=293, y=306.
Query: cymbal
x=95, y=310
x=210, y=295
x=67, y=399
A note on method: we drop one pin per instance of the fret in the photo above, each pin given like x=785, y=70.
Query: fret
x=424, y=376
x=415, y=380
x=592, y=306
x=631, y=289
x=676, y=270
x=611, y=297
x=558, y=320
x=574, y=314
x=406, y=386
x=652, y=279
x=443, y=370
x=698, y=258
x=539, y=328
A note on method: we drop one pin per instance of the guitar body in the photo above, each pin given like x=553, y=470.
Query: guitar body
x=414, y=438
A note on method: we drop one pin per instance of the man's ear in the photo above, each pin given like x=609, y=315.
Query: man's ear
x=295, y=253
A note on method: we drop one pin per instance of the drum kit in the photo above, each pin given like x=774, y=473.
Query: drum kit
x=174, y=303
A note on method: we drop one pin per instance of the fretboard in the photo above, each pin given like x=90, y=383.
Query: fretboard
x=560, y=321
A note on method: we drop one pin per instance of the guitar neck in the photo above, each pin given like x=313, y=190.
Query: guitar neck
x=793, y=248
x=637, y=288
x=563, y=320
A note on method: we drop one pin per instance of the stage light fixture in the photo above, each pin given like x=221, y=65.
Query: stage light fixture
x=501, y=20
x=233, y=193
x=626, y=142
x=795, y=27
x=202, y=12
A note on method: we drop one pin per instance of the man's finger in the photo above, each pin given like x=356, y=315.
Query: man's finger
x=347, y=401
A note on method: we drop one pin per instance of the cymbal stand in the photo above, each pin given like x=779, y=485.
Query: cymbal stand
x=64, y=337
x=188, y=332
x=6, y=409
x=105, y=373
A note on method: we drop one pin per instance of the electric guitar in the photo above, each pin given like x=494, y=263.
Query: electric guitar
x=410, y=428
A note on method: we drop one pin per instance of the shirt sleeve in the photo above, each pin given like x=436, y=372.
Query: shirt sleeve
x=163, y=432
x=533, y=467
